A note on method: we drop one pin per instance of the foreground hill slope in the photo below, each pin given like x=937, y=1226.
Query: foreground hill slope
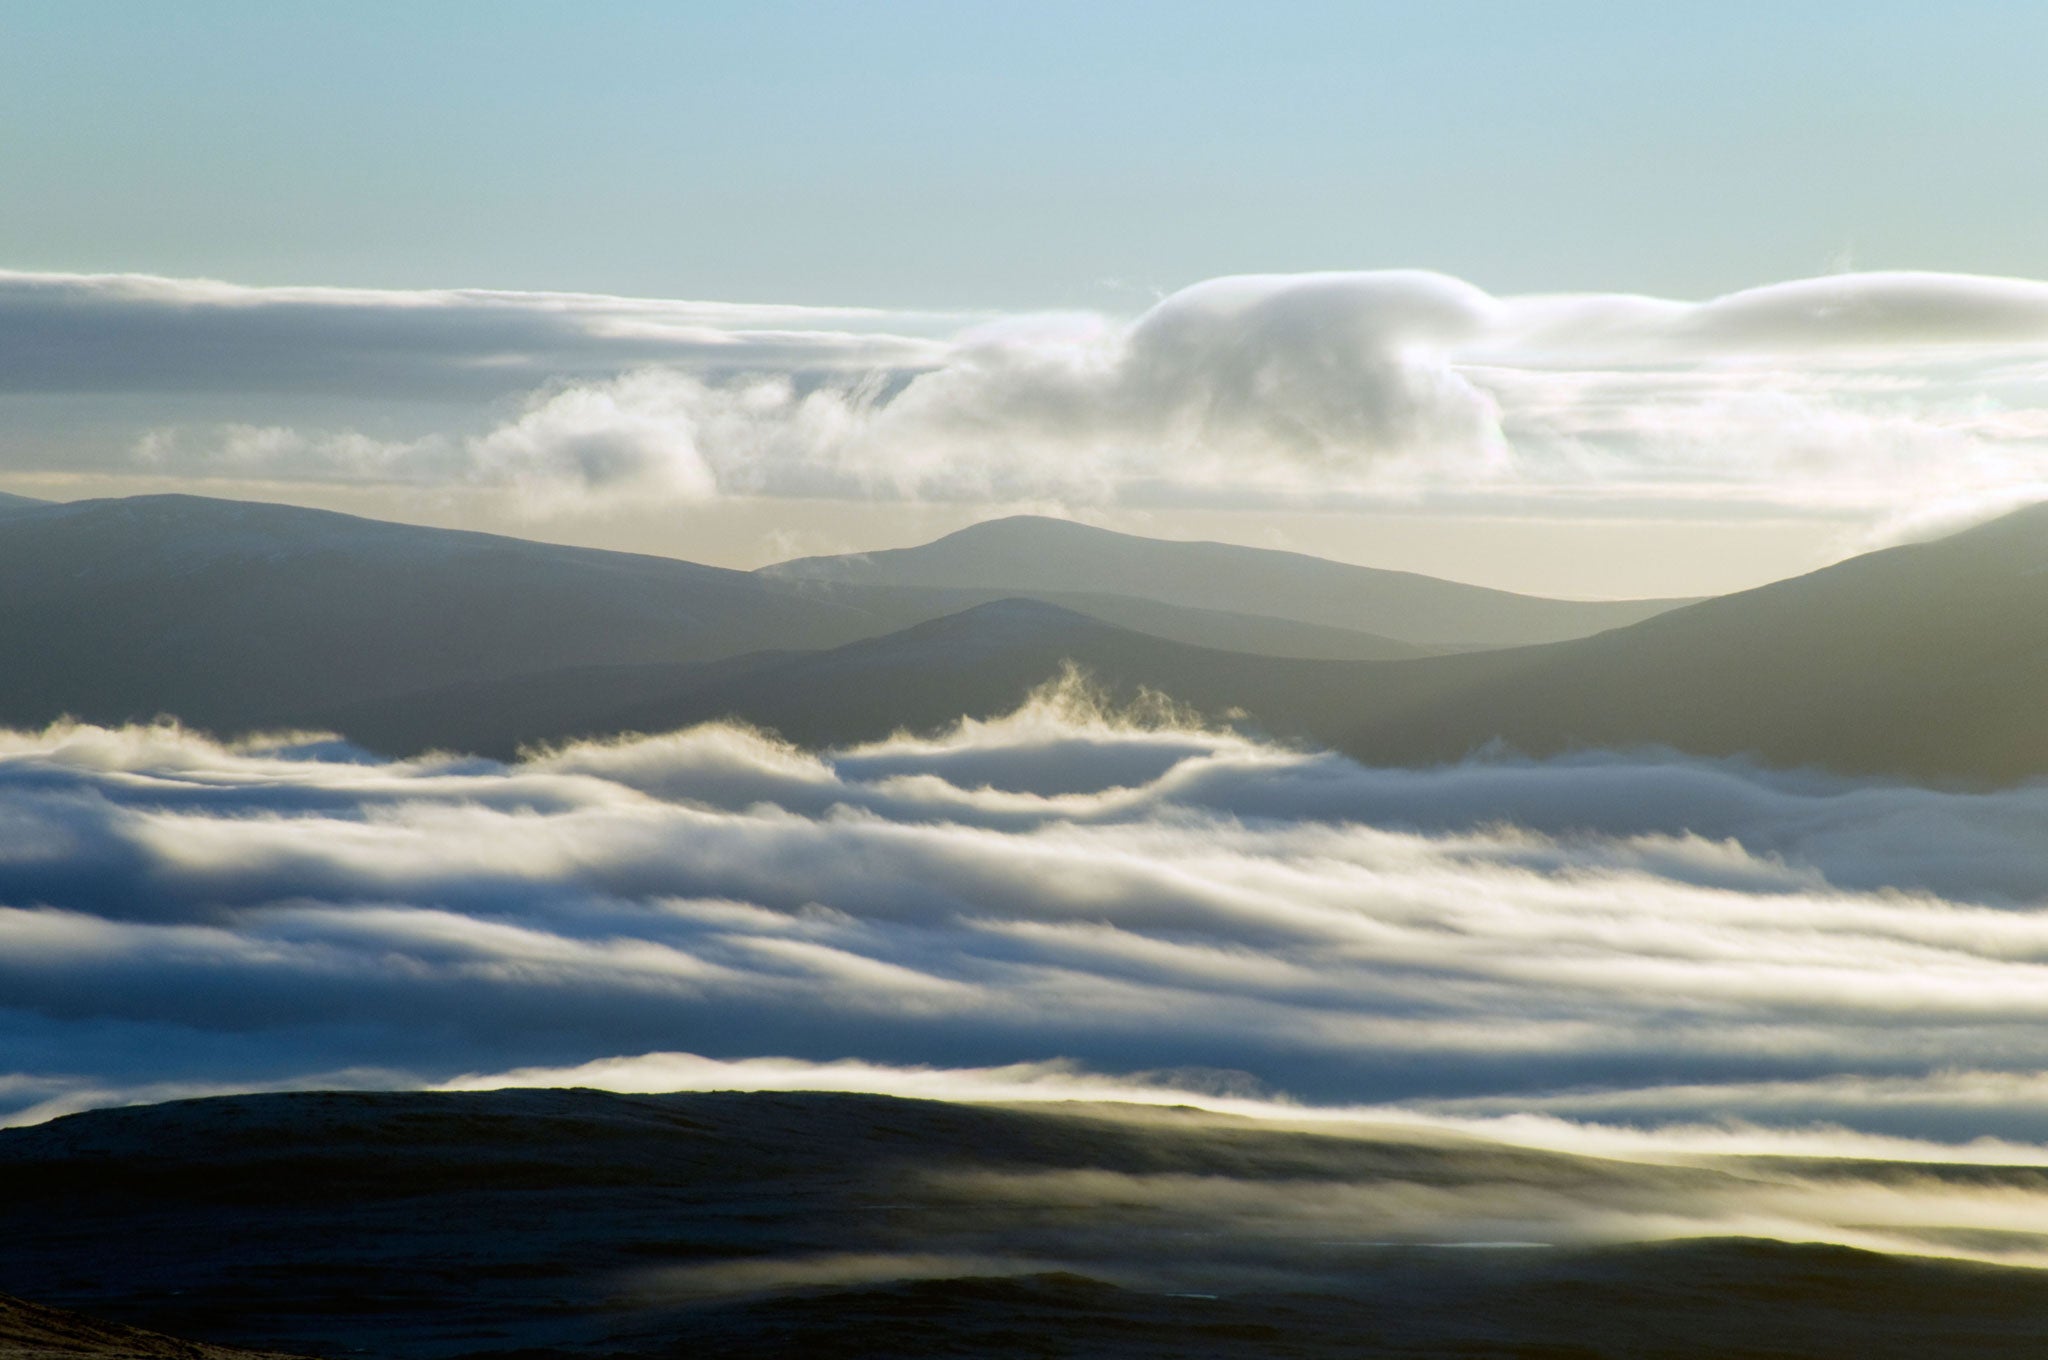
x=559, y=1223
x=1040, y=558
x=30, y=1331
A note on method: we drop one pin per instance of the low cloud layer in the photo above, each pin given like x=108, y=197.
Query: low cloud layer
x=68, y=333
x=1605, y=941
x=1893, y=396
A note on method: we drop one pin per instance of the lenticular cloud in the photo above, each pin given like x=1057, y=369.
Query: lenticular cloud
x=1100, y=903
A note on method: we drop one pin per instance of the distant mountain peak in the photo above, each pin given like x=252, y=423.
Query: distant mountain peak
x=1035, y=524
x=1040, y=555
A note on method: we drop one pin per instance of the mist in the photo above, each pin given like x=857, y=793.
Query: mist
x=1623, y=941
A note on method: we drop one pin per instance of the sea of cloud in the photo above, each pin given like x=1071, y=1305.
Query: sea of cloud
x=1590, y=951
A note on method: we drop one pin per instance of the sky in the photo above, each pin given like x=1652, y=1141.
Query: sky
x=915, y=190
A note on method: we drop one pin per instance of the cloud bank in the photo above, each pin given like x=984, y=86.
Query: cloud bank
x=1646, y=942
x=1874, y=394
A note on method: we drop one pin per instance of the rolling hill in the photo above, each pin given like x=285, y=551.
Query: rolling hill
x=1927, y=661
x=560, y=1223
x=234, y=615
x=1194, y=625
x=1039, y=558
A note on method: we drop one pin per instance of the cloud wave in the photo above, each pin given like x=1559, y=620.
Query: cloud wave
x=1641, y=940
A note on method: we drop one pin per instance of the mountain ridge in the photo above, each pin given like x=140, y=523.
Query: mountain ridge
x=1032, y=555
x=1924, y=661
x=233, y=614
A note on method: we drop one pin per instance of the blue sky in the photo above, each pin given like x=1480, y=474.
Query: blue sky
x=1018, y=155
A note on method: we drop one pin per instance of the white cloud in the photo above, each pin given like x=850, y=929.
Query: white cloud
x=1859, y=394
x=1481, y=941
x=137, y=333
x=635, y=437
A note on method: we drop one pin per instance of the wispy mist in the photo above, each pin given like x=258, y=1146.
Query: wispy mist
x=1628, y=940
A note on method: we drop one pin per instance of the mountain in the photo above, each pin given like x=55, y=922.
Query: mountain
x=232, y=614
x=1031, y=556
x=1928, y=661
x=979, y=662
x=9, y=503
x=558, y=1223
x=1196, y=626
x=235, y=614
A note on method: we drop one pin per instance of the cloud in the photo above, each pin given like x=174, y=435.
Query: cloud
x=1639, y=1124
x=1860, y=394
x=1871, y=310
x=1670, y=967
x=1302, y=377
x=1645, y=939
x=637, y=436
x=137, y=333
x=1327, y=371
